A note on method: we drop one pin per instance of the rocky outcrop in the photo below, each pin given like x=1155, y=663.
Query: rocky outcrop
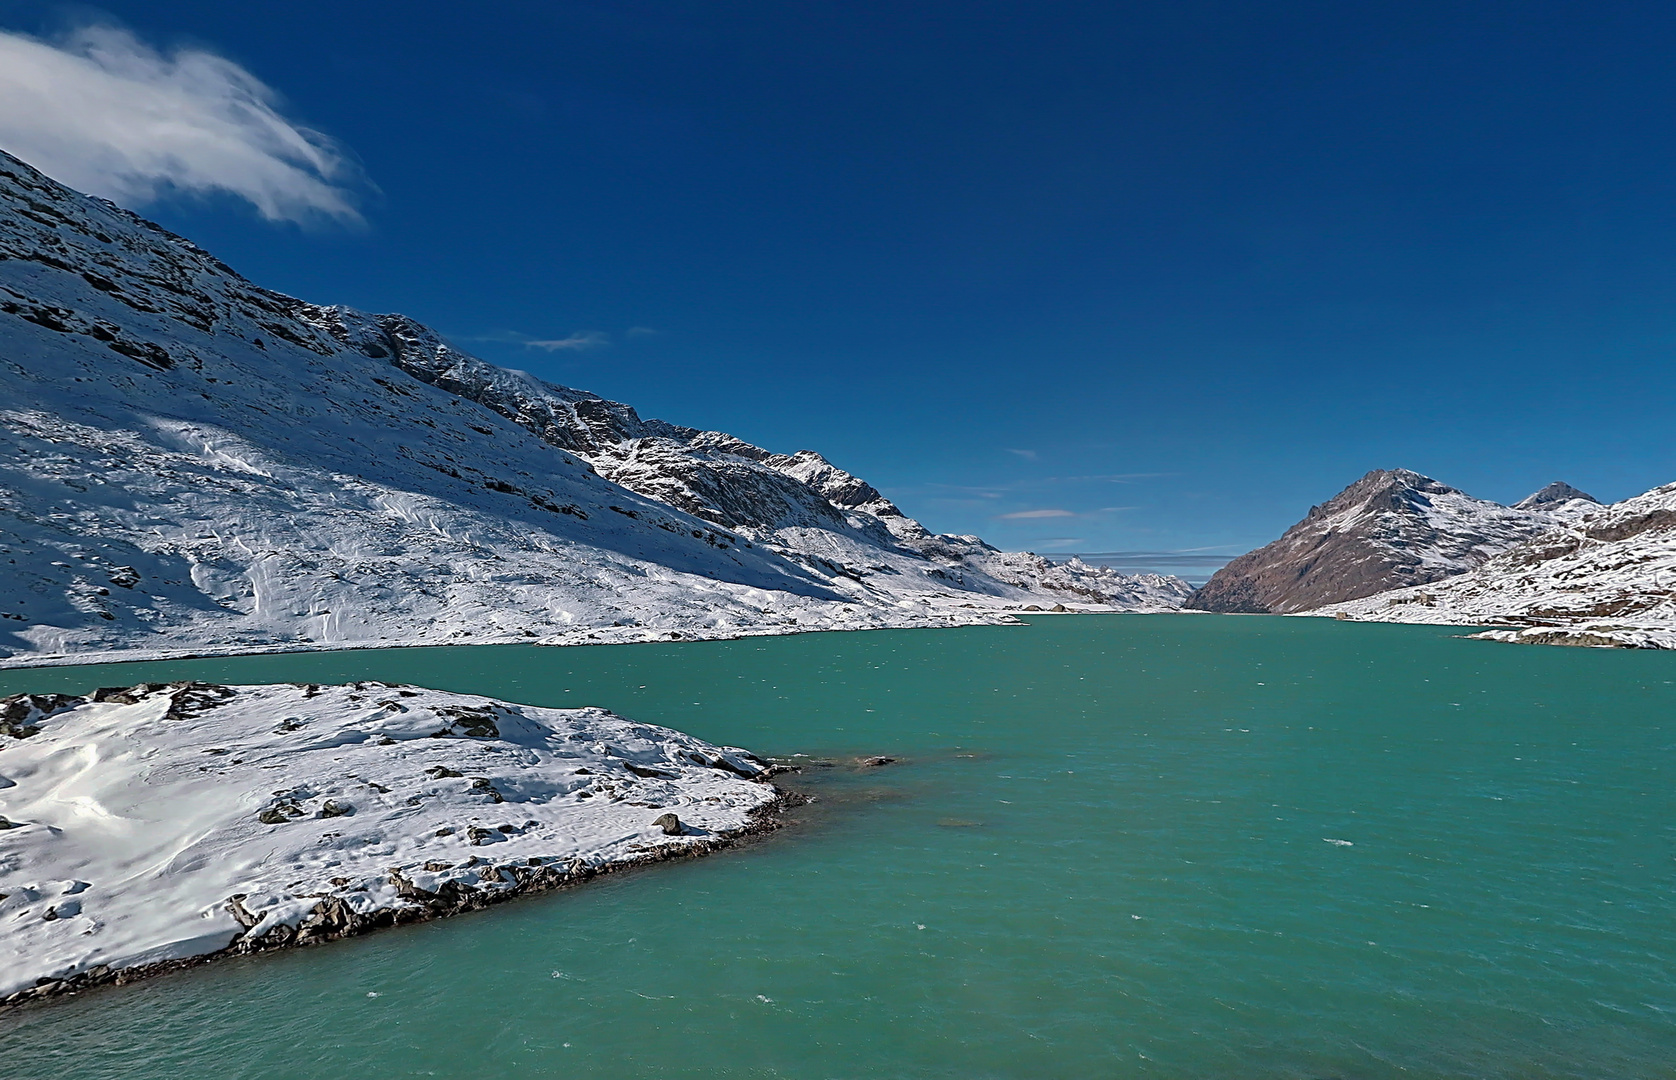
x=1390, y=529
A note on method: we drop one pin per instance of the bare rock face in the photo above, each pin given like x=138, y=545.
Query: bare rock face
x=1390, y=529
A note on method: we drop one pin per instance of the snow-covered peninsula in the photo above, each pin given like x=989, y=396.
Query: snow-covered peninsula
x=161, y=823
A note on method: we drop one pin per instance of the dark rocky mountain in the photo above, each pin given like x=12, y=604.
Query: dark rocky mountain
x=1390, y=529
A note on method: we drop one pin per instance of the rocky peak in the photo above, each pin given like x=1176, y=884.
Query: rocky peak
x=1382, y=489
x=1554, y=495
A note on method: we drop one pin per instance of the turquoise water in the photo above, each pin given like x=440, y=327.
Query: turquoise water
x=1105, y=854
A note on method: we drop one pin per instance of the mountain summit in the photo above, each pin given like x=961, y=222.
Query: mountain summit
x=1391, y=528
x=1558, y=496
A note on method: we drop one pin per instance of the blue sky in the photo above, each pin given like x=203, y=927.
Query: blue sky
x=1090, y=276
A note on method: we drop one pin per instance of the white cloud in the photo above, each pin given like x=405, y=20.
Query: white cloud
x=1022, y=514
x=639, y=331
x=587, y=339
x=1028, y=455
x=104, y=112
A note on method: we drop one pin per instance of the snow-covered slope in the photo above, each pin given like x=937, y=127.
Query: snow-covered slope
x=1390, y=528
x=189, y=462
x=163, y=822
x=1607, y=578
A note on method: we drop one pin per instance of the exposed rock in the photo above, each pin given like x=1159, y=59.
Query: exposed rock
x=279, y=815
x=669, y=823
x=21, y=714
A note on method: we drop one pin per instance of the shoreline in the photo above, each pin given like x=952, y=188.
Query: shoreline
x=611, y=636
x=1589, y=635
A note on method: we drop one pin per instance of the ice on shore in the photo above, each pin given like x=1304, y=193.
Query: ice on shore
x=166, y=822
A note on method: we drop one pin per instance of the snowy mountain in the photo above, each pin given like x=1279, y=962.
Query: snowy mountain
x=1607, y=578
x=1391, y=528
x=189, y=462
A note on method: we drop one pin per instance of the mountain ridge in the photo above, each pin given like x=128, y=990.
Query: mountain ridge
x=190, y=462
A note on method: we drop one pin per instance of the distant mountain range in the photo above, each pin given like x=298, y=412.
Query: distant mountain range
x=1191, y=565
x=190, y=462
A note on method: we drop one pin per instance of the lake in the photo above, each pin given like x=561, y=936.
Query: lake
x=1113, y=846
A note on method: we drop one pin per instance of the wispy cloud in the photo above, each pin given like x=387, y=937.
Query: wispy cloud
x=1022, y=515
x=104, y=112
x=587, y=339
x=1028, y=455
x=640, y=331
